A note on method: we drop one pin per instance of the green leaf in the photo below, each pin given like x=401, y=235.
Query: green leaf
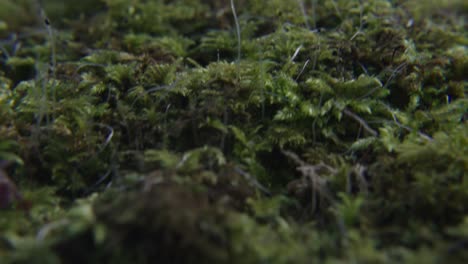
x=363, y=143
x=361, y=106
x=388, y=138
x=239, y=135
x=319, y=85
x=165, y=158
x=217, y=124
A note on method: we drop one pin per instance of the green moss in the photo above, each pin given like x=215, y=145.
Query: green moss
x=138, y=135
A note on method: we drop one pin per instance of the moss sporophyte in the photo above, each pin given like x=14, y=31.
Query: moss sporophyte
x=328, y=131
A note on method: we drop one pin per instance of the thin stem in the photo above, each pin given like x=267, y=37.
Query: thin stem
x=359, y=31
x=304, y=13
x=238, y=32
x=314, y=14
x=361, y=121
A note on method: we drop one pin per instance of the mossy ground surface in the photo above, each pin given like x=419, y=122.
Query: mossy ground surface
x=324, y=131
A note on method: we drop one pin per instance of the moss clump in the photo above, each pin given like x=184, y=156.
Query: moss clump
x=138, y=132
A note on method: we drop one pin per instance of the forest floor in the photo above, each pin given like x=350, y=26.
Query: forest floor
x=183, y=131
